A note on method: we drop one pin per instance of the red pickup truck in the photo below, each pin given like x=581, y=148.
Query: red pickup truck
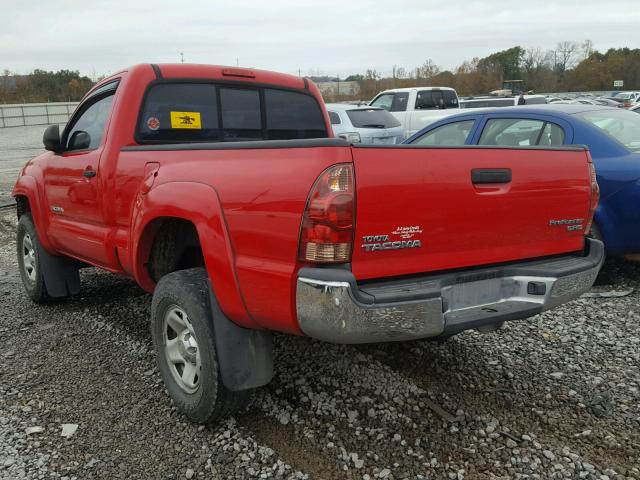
x=221, y=191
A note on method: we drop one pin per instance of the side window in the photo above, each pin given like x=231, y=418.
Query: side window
x=392, y=102
x=511, y=132
x=427, y=99
x=552, y=135
x=87, y=131
x=449, y=135
x=450, y=99
x=179, y=112
x=335, y=118
x=384, y=101
x=400, y=101
x=240, y=114
x=292, y=115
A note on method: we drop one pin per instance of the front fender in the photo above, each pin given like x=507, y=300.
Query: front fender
x=199, y=204
x=27, y=186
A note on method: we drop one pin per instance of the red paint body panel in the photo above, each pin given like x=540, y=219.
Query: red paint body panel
x=247, y=204
x=462, y=224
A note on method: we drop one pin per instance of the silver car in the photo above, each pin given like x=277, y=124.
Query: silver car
x=366, y=124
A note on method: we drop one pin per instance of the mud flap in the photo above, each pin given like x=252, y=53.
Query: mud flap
x=61, y=276
x=245, y=356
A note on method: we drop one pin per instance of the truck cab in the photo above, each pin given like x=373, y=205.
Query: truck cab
x=417, y=107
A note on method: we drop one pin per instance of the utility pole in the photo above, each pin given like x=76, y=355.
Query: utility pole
x=237, y=62
x=181, y=57
x=299, y=73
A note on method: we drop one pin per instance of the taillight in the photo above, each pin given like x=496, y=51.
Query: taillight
x=326, y=235
x=595, y=196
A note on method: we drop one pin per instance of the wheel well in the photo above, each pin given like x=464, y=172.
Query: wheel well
x=176, y=246
x=22, y=205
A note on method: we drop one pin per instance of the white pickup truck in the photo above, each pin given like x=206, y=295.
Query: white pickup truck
x=417, y=107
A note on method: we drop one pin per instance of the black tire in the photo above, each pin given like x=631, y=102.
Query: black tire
x=206, y=400
x=31, y=272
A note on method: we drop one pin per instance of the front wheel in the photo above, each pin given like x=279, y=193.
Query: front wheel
x=184, y=341
x=30, y=261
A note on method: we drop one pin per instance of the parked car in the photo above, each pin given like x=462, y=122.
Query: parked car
x=220, y=191
x=502, y=101
x=367, y=125
x=626, y=99
x=613, y=138
x=635, y=108
x=606, y=102
x=417, y=107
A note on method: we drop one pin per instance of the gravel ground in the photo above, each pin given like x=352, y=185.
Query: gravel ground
x=556, y=396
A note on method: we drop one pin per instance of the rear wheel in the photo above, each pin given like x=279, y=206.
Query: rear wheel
x=183, y=337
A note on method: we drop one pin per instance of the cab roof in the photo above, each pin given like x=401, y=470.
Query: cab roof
x=414, y=89
x=222, y=72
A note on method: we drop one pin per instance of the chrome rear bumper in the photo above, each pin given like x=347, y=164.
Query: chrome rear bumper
x=332, y=307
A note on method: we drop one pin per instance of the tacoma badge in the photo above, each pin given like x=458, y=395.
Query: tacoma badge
x=372, y=243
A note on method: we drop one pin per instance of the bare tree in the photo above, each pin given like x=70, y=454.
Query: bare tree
x=587, y=49
x=534, y=59
x=427, y=70
x=565, y=56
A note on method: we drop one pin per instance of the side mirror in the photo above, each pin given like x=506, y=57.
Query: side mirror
x=51, y=138
x=80, y=140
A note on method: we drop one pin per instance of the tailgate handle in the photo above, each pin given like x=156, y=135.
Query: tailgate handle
x=490, y=175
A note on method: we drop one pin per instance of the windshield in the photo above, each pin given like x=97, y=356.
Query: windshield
x=624, y=126
x=372, y=118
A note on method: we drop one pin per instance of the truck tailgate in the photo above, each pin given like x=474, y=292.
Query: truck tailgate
x=428, y=209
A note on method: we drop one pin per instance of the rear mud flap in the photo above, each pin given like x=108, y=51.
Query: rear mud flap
x=245, y=355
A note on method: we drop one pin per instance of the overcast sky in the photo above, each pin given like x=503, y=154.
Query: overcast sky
x=328, y=37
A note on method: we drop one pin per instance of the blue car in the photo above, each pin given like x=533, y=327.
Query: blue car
x=612, y=135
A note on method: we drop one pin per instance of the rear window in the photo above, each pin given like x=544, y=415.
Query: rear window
x=241, y=118
x=205, y=112
x=372, y=118
x=292, y=115
x=334, y=118
x=624, y=126
x=177, y=103
x=430, y=99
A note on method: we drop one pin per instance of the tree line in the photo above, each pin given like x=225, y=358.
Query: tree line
x=569, y=67
x=43, y=86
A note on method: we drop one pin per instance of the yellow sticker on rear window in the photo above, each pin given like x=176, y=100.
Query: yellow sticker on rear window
x=185, y=120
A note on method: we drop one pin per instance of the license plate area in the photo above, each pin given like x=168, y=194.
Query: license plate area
x=482, y=292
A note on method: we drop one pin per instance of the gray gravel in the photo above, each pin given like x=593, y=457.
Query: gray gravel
x=556, y=396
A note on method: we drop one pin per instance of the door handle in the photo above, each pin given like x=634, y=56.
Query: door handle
x=89, y=172
x=480, y=176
